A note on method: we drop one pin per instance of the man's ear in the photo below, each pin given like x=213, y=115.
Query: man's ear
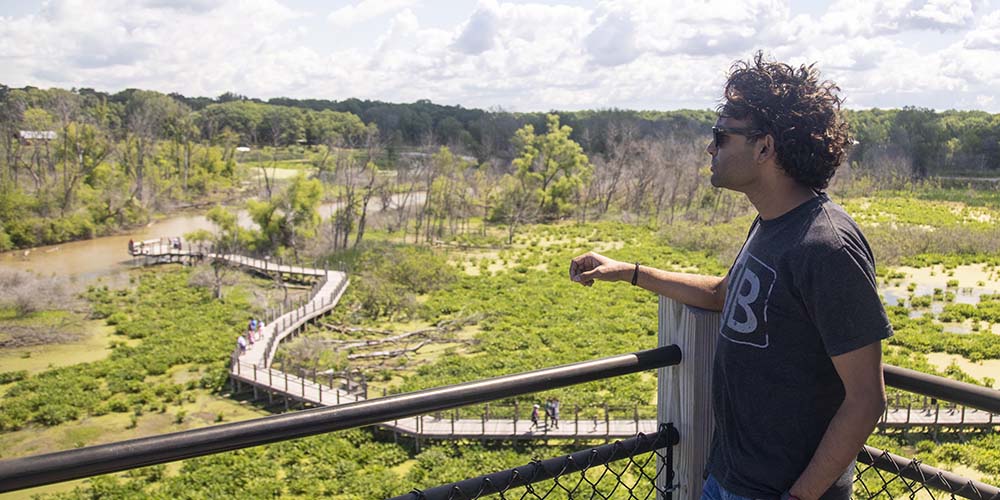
x=765, y=148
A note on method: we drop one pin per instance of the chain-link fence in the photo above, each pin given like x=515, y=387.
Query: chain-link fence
x=636, y=468
x=642, y=468
x=881, y=474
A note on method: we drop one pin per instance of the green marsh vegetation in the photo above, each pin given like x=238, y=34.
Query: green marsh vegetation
x=160, y=323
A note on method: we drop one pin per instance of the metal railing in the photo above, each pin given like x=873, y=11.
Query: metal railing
x=49, y=468
x=646, y=458
x=881, y=474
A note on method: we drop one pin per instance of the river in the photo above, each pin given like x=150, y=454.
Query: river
x=88, y=259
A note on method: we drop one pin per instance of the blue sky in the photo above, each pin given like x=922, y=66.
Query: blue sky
x=515, y=55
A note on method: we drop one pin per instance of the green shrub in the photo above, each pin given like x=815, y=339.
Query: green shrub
x=15, y=376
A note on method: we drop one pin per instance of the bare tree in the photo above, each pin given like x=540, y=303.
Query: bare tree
x=679, y=159
x=622, y=151
x=373, y=146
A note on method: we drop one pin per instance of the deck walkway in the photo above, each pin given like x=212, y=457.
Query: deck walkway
x=448, y=426
x=278, y=325
x=253, y=368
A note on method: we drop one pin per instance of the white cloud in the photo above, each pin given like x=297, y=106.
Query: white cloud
x=522, y=56
x=886, y=17
x=986, y=35
x=478, y=34
x=942, y=15
x=365, y=10
x=613, y=41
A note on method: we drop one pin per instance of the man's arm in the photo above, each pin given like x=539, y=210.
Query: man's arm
x=864, y=401
x=706, y=292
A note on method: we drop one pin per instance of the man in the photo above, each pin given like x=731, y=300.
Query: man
x=797, y=380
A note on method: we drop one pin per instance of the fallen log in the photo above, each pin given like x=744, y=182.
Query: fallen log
x=387, y=354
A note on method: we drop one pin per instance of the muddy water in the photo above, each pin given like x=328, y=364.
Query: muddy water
x=89, y=259
x=973, y=281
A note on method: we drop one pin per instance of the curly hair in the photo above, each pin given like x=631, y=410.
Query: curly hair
x=801, y=112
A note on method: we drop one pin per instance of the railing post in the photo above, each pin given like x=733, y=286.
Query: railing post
x=937, y=415
x=607, y=421
x=515, y=417
x=576, y=420
x=636, y=414
x=684, y=396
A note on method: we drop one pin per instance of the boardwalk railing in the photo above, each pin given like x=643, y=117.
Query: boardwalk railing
x=323, y=295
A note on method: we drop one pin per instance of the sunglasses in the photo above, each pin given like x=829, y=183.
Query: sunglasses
x=719, y=133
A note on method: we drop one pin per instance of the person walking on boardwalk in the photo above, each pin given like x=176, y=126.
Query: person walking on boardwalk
x=259, y=332
x=534, y=417
x=555, y=413
x=797, y=381
x=242, y=344
x=550, y=414
x=251, y=329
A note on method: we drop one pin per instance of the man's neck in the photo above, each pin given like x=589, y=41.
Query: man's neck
x=779, y=200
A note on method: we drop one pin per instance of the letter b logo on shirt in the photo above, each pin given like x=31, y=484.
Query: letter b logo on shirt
x=745, y=314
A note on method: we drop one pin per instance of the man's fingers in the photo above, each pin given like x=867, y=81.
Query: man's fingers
x=578, y=266
x=574, y=270
x=589, y=275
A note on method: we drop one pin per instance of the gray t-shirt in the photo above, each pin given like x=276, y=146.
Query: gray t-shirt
x=802, y=289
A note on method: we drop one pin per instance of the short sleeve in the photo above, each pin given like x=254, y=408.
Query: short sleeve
x=841, y=297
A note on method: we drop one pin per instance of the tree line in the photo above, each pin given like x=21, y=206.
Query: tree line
x=113, y=159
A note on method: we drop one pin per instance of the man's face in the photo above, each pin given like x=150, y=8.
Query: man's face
x=733, y=165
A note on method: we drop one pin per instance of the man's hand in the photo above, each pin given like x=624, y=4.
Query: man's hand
x=592, y=266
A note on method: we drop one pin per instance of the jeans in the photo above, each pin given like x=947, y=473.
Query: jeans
x=714, y=491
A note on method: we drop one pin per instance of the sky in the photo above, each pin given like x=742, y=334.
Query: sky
x=512, y=55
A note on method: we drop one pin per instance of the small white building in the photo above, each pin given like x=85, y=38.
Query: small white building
x=37, y=135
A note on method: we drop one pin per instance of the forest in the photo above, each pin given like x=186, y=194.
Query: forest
x=81, y=163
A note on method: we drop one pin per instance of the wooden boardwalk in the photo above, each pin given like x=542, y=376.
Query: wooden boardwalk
x=447, y=425
x=253, y=369
x=278, y=325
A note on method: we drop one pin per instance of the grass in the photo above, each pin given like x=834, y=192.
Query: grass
x=92, y=345
x=201, y=406
x=116, y=427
